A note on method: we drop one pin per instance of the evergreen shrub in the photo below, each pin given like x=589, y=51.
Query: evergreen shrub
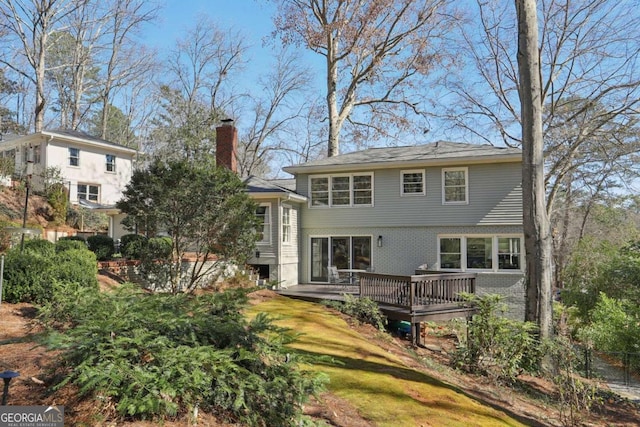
x=101, y=245
x=159, y=356
x=131, y=245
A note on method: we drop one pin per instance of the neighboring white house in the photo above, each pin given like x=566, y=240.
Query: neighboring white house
x=94, y=171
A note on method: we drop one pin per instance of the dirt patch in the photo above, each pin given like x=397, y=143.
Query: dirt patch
x=20, y=352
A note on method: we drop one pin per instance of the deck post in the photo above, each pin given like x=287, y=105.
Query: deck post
x=416, y=337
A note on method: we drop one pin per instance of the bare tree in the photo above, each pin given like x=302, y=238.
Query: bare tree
x=30, y=24
x=127, y=63
x=590, y=85
x=272, y=112
x=537, y=233
x=377, y=55
x=196, y=95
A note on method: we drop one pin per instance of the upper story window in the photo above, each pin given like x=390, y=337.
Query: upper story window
x=412, y=182
x=89, y=192
x=110, y=163
x=455, y=186
x=286, y=224
x=341, y=190
x=495, y=253
x=264, y=223
x=74, y=156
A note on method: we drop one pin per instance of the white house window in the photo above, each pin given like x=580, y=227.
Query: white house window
x=495, y=253
x=320, y=191
x=450, y=252
x=286, y=224
x=89, y=192
x=341, y=190
x=412, y=182
x=110, y=163
x=509, y=253
x=264, y=223
x=479, y=252
x=363, y=190
x=74, y=156
x=455, y=189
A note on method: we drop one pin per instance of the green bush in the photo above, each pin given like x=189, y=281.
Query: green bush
x=159, y=247
x=65, y=245
x=497, y=346
x=101, y=245
x=159, y=356
x=614, y=327
x=131, y=245
x=364, y=310
x=27, y=276
x=77, y=266
x=30, y=276
x=40, y=246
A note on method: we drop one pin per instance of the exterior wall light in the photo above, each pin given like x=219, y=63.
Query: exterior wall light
x=379, y=241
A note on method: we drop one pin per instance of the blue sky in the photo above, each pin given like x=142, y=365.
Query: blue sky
x=250, y=17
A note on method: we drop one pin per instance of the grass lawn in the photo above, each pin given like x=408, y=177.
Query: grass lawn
x=383, y=389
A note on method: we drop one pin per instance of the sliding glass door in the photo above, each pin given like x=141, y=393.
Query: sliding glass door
x=345, y=252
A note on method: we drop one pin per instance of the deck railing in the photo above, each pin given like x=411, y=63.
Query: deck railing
x=417, y=291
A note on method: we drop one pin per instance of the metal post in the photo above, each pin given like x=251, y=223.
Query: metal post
x=7, y=376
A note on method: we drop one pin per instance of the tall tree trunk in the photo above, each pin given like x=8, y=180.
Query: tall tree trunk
x=537, y=233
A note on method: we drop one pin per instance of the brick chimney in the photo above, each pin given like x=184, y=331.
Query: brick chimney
x=226, y=145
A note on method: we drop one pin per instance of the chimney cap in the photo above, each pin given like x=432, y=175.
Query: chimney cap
x=227, y=122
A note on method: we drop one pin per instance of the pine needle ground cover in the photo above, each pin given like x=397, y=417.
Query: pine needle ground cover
x=377, y=383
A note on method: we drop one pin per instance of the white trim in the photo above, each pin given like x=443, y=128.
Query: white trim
x=329, y=178
x=424, y=182
x=494, y=252
x=466, y=185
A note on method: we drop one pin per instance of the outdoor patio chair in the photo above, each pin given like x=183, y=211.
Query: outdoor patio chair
x=335, y=279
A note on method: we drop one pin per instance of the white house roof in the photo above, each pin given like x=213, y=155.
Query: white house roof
x=67, y=135
x=280, y=188
x=437, y=153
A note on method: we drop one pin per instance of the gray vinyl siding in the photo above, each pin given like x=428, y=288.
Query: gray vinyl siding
x=495, y=198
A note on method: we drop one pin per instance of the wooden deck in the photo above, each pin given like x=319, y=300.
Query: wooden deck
x=420, y=298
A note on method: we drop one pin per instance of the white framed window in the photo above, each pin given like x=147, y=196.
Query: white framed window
x=343, y=190
x=450, y=252
x=412, y=182
x=509, y=253
x=263, y=212
x=89, y=192
x=286, y=224
x=74, y=156
x=455, y=186
x=481, y=252
x=110, y=163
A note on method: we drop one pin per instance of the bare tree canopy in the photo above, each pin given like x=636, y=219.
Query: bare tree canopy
x=377, y=55
x=588, y=55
